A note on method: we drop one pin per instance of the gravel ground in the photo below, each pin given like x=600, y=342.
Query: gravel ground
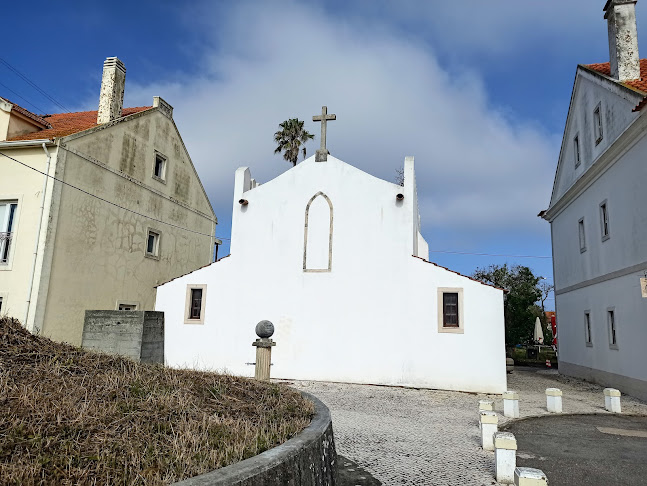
x=431, y=437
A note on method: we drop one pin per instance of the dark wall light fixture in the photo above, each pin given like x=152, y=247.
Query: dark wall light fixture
x=399, y=197
x=243, y=202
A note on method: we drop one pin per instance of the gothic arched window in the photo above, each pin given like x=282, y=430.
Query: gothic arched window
x=317, y=240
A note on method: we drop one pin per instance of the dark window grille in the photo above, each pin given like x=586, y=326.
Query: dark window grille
x=450, y=309
x=196, y=304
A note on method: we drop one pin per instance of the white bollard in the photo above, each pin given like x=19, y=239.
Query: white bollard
x=554, y=400
x=511, y=404
x=489, y=425
x=527, y=476
x=505, y=457
x=612, y=400
x=486, y=405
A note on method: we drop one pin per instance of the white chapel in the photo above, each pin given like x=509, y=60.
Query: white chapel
x=334, y=258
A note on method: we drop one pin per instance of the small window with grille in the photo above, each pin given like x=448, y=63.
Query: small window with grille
x=194, y=311
x=450, y=310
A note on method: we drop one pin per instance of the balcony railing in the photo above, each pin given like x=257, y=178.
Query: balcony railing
x=5, y=242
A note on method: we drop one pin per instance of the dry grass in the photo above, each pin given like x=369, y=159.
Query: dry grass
x=68, y=416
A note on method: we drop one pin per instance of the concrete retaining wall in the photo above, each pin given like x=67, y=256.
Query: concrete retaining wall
x=308, y=459
x=135, y=334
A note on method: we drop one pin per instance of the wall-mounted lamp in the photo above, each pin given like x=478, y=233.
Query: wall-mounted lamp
x=243, y=202
x=399, y=197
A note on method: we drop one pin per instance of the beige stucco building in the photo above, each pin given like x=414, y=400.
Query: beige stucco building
x=121, y=210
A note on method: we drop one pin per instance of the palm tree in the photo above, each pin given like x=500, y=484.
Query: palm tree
x=290, y=138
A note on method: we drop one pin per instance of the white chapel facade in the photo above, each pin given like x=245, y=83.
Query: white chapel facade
x=334, y=258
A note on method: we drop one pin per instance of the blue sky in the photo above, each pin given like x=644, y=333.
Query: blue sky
x=476, y=91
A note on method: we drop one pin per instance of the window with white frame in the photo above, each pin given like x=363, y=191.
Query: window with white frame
x=450, y=310
x=582, y=235
x=597, y=124
x=587, y=328
x=8, y=214
x=152, y=244
x=194, y=308
x=123, y=305
x=576, y=150
x=611, y=322
x=604, y=220
x=159, y=167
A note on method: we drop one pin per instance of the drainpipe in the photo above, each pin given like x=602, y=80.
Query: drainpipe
x=40, y=223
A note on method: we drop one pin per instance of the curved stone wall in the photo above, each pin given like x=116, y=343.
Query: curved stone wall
x=309, y=459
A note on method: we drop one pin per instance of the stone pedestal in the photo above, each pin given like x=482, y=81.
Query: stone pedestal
x=505, y=457
x=554, y=400
x=612, y=400
x=489, y=425
x=527, y=476
x=511, y=404
x=263, y=358
x=486, y=405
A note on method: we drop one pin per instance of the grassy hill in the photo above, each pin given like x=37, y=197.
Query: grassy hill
x=69, y=416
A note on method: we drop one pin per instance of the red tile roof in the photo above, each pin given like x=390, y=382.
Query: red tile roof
x=27, y=113
x=63, y=124
x=639, y=85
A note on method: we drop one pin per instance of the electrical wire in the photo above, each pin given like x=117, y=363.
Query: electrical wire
x=110, y=202
x=34, y=85
x=488, y=254
x=22, y=98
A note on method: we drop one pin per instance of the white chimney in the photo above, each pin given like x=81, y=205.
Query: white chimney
x=623, y=39
x=111, y=100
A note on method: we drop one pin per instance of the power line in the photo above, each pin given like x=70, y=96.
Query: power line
x=34, y=85
x=25, y=100
x=110, y=202
x=488, y=254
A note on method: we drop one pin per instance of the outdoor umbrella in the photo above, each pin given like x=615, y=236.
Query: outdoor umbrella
x=539, y=334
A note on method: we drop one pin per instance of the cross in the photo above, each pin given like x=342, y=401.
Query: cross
x=322, y=153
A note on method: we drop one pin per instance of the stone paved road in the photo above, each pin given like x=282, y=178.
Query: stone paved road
x=430, y=437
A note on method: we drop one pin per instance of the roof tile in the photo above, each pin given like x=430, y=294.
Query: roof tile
x=635, y=84
x=63, y=124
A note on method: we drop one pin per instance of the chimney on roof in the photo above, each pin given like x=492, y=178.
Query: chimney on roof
x=623, y=39
x=111, y=99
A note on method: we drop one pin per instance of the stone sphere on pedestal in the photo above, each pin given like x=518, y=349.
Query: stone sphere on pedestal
x=264, y=329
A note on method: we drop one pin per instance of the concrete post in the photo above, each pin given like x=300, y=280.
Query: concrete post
x=264, y=330
x=554, y=400
x=505, y=457
x=511, y=404
x=489, y=425
x=527, y=476
x=612, y=400
x=486, y=405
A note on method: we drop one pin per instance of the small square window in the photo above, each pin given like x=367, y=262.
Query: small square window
x=127, y=306
x=576, y=150
x=597, y=124
x=611, y=321
x=159, y=167
x=152, y=244
x=582, y=234
x=450, y=310
x=604, y=220
x=195, y=304
x=587, y=328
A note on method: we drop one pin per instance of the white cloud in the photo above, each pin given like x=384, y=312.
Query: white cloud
x=475, y=167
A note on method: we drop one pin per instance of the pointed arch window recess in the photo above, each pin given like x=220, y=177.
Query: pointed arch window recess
x=317, y=235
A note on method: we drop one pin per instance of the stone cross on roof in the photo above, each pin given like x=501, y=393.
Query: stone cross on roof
x=322, y=153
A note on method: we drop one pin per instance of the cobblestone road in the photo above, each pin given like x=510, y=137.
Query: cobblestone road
x=431, y=437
